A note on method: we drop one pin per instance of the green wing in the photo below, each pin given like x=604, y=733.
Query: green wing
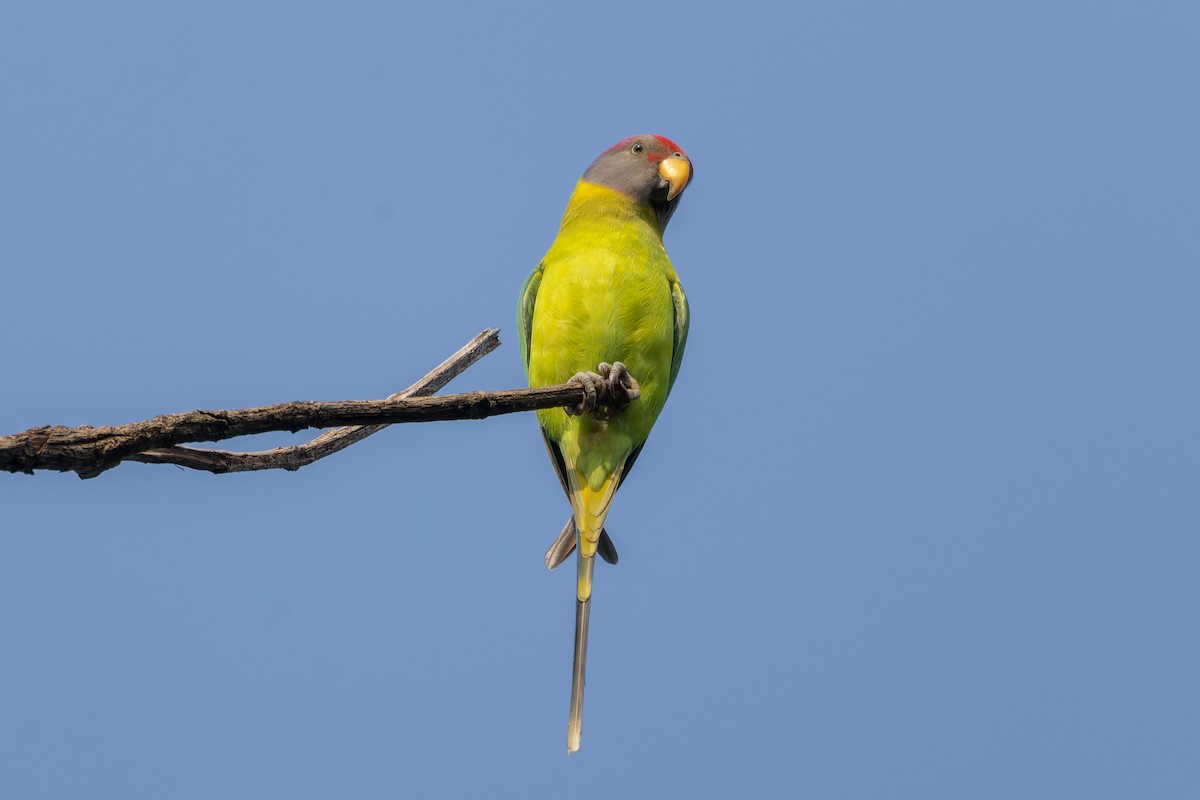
x=525, y=311
x=682, y=319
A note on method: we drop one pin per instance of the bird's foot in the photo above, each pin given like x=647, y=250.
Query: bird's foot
x=619, y=390
x=622, y=388
x=591, y=383
x=606, y=391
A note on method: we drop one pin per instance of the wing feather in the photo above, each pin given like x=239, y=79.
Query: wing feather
x=525, y=307
x=682, y=320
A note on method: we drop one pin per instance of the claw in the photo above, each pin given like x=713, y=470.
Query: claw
x=588, y=381
x=622, y=387
x=606, y=391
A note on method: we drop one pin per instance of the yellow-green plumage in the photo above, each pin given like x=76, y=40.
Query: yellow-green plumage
x=604, y=292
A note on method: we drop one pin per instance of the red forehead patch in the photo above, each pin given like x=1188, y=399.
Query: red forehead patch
x=674, y=147
x=650, y=156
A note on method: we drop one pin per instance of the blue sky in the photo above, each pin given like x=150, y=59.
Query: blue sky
x=919, y=520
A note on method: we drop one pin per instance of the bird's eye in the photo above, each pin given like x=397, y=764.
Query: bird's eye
x=677, y=154
x=637, y=148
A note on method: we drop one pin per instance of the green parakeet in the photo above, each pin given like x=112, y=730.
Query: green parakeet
x=605, y=298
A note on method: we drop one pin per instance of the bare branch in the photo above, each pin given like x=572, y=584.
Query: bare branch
x=90, y=451
x=328, y=443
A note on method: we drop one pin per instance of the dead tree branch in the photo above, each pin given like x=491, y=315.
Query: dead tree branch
x=328, y=443
x=90, y=451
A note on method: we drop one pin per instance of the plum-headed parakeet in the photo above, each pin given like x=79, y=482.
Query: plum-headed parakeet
x=605, y=298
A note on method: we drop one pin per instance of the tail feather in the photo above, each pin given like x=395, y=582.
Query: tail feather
x=564, y=545
x=590, y=507
x=582, y=612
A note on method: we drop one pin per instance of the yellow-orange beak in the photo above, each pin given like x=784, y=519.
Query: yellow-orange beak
x=676, y=172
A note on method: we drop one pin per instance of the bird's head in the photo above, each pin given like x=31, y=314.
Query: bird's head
x=648, y=169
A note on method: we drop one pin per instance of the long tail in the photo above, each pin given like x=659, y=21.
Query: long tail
x=590, y=508
x=583, y=607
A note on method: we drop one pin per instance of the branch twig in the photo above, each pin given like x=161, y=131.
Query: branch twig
x=328, y=443
x=90, y=451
